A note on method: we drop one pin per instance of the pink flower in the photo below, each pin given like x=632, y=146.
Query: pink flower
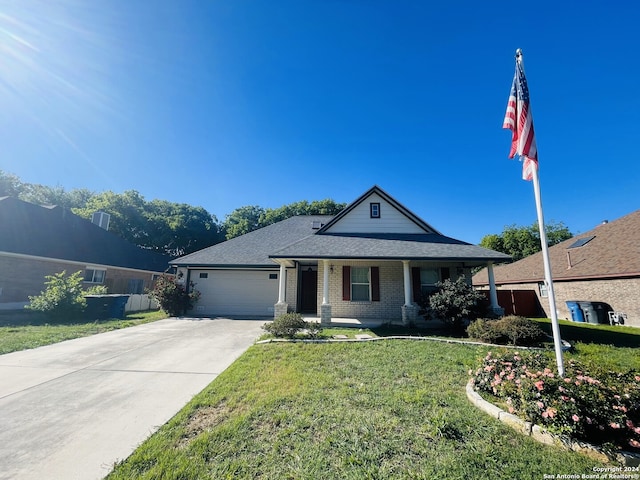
x=539, y=385
x=551, y=412
x=637, y=377
x=614, y=425
x=634, y=443
x=540, y=404
x=575, y=417
x=511, y=409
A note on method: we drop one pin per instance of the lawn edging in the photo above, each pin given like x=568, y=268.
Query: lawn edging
x=538, y=433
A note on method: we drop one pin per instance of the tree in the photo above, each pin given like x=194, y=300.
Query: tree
x=520, y=242
x=63, y=297
x=246, y=219
x=243, y=220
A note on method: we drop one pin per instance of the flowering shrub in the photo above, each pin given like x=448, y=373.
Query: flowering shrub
x=173, y=296
x=586, y=403
x=512, y=329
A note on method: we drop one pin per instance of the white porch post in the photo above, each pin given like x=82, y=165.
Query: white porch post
x=325, y=282
x=409, y=310
x=283, y=283
x=407, y=283
x=281, y=307
x=325, y=308
x=493, y=294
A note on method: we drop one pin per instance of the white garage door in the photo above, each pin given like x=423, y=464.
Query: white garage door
x=236, y=292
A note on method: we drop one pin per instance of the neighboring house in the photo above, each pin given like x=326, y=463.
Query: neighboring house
x=601, y=265
x=36, y=241
x=370, y=261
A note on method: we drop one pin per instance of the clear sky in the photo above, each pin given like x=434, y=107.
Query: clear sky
x=228, y=103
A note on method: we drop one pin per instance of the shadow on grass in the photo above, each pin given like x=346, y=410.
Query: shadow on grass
x=433, y=330
x=600, y=334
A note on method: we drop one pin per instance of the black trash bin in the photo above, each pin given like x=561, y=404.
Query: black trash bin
x=602, y=311
x=101, y=307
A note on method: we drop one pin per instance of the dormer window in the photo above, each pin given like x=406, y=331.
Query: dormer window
x=374, y=209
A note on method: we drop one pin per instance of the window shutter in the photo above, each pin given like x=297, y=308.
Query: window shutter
x=444, y=273
x=415, y=283
x=346, y=283
x=375, y=284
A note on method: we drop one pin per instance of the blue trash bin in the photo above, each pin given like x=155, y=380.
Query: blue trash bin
x=576, y=313
x=118, y=303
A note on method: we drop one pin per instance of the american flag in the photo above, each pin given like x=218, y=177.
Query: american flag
x=519, y=120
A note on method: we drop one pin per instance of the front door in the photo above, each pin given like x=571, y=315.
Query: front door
x=309, y=290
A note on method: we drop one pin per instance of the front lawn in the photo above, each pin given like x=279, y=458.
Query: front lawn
x=16, y=335
x=385, y=409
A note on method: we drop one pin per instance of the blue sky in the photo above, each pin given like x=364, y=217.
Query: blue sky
x=229, y=103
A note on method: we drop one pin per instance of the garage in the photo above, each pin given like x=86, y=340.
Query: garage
x=236, y=292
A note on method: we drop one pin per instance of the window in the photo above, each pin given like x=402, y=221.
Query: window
x=428, y=279
x=542, y=287
x=94, y=275
x=273, y=276
x=360, y=285
x=204, y=275
x=374, y=209
x=136, y=286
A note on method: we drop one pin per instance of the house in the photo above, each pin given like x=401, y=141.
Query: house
x=370, y=261
x=40, y=240
x=601, y=265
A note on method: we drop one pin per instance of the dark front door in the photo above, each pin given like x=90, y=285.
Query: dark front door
x=309, y=291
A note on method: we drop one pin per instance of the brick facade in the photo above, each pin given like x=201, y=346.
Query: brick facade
x=622, y=294
x=23, y=276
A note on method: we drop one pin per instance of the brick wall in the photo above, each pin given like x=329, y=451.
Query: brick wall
x=391, y=290
x=622, y=294
x=21, y=277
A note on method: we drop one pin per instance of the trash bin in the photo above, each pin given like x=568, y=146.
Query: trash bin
x=602, y=311
x=590, y=313
x=576, y=313
x=101, y=307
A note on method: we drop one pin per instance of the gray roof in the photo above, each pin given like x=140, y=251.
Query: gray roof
x=55, y=232
x=253, y=249
x=388, y=247
x=295, y=238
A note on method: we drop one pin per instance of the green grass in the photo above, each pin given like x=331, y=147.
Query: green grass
x=17, y=335
x=619, y=336
x=378, y=410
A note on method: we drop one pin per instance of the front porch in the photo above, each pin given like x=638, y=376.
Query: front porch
x=383, y=291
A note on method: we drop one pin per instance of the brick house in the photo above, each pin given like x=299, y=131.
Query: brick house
x=36, y=241
x=368, y=262
x=601, y=265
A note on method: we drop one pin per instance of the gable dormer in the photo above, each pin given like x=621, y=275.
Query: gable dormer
x=376, y=212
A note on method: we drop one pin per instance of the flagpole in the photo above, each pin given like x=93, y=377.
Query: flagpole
x=555, y=326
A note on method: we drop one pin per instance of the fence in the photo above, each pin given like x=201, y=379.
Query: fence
x=139, y=302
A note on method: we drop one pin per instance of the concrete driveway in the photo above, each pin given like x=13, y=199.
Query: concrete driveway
x=70, y=410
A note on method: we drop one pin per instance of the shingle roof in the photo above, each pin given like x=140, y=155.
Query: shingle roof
x=613, y=252
x=388, y=246
x=253, y=248
x=55, y=232
x=294, y=238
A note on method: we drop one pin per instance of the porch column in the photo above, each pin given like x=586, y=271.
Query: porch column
x=325, y=308
x=283, y=283
x=281, y=307
x=409, y=310
x=325, y=282
x=407, y=283
x=493, y=294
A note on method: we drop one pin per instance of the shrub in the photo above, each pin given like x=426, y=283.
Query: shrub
x=63, y=297
x=512, y=329
x=289, y=324
x=97, y=290
x=173, y=296
x=455, y=303
x=587, y=403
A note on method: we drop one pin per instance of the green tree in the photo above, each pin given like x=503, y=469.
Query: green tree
x=63, y=297
x=243, y=220
x=173, y=297
x=520, y=242
x=10, y=185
